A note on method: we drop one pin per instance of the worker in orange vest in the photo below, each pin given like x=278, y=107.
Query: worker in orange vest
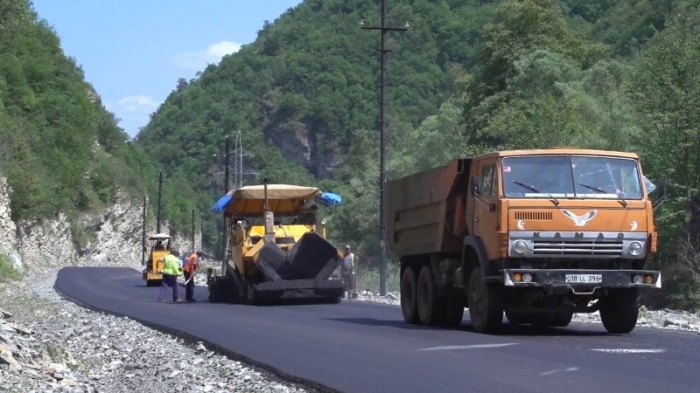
x=189, y=269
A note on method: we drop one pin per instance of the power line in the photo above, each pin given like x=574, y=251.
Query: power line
x=238, y=169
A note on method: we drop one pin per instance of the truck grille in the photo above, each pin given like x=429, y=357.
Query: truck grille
x=577, y=247
x=534, y=216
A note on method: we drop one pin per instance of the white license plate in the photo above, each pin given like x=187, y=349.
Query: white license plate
x=584, y=278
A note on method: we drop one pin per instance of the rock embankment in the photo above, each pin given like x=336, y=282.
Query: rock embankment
x=657, y=319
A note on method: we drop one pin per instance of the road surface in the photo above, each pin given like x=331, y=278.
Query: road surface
x=366, y=347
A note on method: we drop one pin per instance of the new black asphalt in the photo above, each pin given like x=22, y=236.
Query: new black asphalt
x=365, y=347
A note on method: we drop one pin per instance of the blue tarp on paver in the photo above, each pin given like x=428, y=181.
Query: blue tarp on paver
x=330, y=198
x=222, y=203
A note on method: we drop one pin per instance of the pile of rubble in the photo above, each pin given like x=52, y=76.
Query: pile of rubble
x=657, y=319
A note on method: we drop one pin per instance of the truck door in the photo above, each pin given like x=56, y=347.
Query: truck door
x=485, y=214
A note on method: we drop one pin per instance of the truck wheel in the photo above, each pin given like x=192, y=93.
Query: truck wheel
x=431, y=310
x=409, y=308
x=619, y=311
x=516, y=318
x=485, y=303
x=454, y=311
x=562, y=319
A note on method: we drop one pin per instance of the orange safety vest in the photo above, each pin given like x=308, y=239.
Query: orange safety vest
x=190, y=263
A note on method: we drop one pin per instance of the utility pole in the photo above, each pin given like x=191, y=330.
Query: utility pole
x=238, y=171
x=382, y=140
x=143, y=233
x=227, y=164
x=160, y=197
x=193, y=248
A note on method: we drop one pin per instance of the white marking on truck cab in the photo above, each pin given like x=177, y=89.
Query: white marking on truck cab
x=633, y=224
x=581, y=220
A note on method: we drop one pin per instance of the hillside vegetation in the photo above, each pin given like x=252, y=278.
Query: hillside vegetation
x=59, y=148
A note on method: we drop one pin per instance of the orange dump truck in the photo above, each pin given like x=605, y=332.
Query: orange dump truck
x=538, y=234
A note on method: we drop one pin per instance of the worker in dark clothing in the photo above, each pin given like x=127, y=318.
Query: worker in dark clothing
x=347, y=271
x=190, y=269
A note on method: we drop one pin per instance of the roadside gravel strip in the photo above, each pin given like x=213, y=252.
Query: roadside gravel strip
x=48, y=344
x=657, y=319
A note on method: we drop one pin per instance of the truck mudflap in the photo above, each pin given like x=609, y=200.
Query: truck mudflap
x=581, y=280
x=303, y=271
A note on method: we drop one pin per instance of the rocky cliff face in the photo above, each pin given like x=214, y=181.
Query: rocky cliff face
x=112, y=236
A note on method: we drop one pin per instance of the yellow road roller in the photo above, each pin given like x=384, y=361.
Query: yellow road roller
x=159, y=247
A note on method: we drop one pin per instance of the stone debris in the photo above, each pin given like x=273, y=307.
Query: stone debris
x=48, y=344
x=657, y=319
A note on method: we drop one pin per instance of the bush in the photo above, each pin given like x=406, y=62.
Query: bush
x=8, y=272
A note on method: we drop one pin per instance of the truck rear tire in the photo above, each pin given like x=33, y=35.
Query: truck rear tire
x=409, y=308
x=517, y=318
x=486, y=303
x=431, y=310
x=562, y=319
x=454, y=312
x=619, y=311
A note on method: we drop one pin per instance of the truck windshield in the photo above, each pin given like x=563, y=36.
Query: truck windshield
x=571, y=177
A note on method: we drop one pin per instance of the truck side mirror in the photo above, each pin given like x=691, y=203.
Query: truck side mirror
x=660, y=193
x=476, y=185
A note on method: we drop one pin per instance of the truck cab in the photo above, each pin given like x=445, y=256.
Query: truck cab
x=538, y=234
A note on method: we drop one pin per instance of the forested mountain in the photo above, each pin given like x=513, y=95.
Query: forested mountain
x=59, y=148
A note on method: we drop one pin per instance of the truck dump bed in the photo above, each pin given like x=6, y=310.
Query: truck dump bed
x=426, y=210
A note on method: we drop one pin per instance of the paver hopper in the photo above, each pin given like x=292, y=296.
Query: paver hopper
x=276, y=252
x=160, y=247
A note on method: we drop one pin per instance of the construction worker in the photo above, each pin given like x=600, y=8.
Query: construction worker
x=347, y=270
x=190, y=269
x=183, y=259
x=171, y=271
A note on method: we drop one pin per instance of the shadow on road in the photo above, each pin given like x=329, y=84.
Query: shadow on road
x=506, y=330
x=381, y=322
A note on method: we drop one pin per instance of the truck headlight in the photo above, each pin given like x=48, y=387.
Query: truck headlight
x=635, y=249
x=520, y=247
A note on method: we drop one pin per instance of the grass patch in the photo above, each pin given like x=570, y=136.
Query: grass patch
x=8, y=272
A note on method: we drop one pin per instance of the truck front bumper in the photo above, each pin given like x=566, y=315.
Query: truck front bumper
x=581, y=280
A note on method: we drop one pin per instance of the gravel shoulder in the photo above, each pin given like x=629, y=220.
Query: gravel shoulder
x=657, y=319
x=48, y=344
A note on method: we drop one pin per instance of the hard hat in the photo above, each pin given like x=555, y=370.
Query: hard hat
x=347, y=246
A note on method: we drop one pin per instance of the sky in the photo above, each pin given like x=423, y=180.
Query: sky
x=134, y=54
